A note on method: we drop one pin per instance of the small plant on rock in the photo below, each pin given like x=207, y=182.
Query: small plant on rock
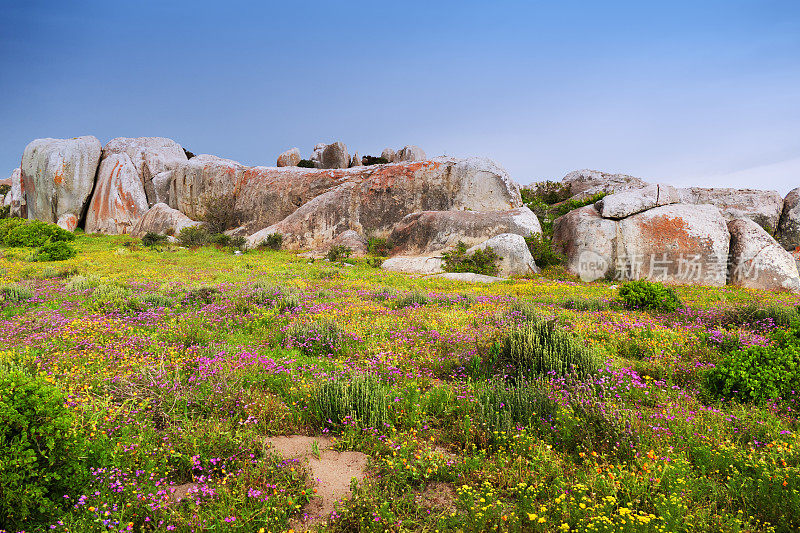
x=338, y=252
x=482, y=261
x=273, y=241
x=306, y=163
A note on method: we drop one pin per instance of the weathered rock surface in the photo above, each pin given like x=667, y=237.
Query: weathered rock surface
x=355, y=161
x=389, y=155
x=515, y=257
x=335, y=156
x=372, y=199
x=57, y=178
x=762, y=207
x=469, y=277
x=585, y=183
x=679, y=243
x=150, y=156
x=162, y=219
x=631, y=201
x=411, y=153
x=353, y=240
x=17, y=195
x=119, y=200
x=289, y=158
x=162, y=183
x=414, y=264
x=789, y=223
x=431, y=231
x=199, y=179
x=587, y=241
x=758, y=261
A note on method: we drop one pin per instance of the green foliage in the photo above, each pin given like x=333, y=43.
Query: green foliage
x=760, y=316
x=379, y=247
x=482, y=261
x=32, y=234
x=82, y=283
x=219, y=213
x=322, y=337
x=338, y=252
x=363, y=402
x=151, y=239
x=110, y=297
x=273, y=241
x=193, y=236
x=541, y=247
x=5, y=211
x=55, y=251
x=372, y=160
x=538, y=348
x=306, y=163
x=201, y=296
x=549, y=192
x=503, y=407
x=14, y=293
x=759, y=373
x=414, y=298
x=653, y=296
x=4, y=189
x=41, y=456
x=220, y=239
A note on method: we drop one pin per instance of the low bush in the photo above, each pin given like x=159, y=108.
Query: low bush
x=55, y=251
x=219, y=213
x=13, y=293
x=378, y=246
x=273, y=241
x=538, y=348
x=4, y=189
x=338, y=252
x=306, y=163
x=220, y=239
x=758, y=316
x=33, y=234
x=543, y=252
x=151, y=239
x=414, y=298
x=110, y=297
x=368, y=160
x=5, y=211
x=549, y=192
x=8, y=224
x=201, y=296
x=653, y=296
x=193, y=236
x=364, y=402
x=82, y=283
x=322, y=337
x=482, y=261
x=42, y=457
x=504, y=407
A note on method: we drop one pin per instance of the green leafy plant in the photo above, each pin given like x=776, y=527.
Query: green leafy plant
x=273, y=241
x=378, y=246
x=414, y=298
x=42, y=457
x=151, y=239
x=12, y=292
x=110, y=297
x=193, y=236
x=373, y=160
x=482, y=261
x=338, y=252
x=8, y=224
x=55, y=251
x=5, y=211
x=538, y=348
x=34, y=233
x=653, y=296
x=549, y=192
x=541, y=248
x=306, y=163
x=363, y=401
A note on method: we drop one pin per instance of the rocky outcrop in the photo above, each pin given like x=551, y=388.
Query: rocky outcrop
x=372, y=199
x=335, y=156
x=587, y=241
x=119, y=200
x=196, y=181
x=758, y=261
x=515, y=257
x=431, y=231
x=289, y=158
x=762, y=207
x=389, y=155
x=353, y=240
x=162, y=219
x=355, y=161
x=57, y=178
x=162, y=183
x=629, y=202
x=411, y=153
x=150, y=156
x=789, y=223
x=586, y=183
x=17, y=195
x=414, y=264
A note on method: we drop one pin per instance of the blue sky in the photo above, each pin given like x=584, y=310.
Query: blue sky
x=700, y=93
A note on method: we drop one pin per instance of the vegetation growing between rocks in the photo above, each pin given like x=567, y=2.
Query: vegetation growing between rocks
x=482, y=261
x=653, y=296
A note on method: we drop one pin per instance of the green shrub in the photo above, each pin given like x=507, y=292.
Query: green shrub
x=322, y=337
x=151, y=239
x=375, y=262
x=364, y=401
x=193, y=236
x=238, y=243
x=757, y=373
x=524, y=309
x=503, y=407
x=482, y=261
x=158, y=300
x=220, y=239
x=538, y=348
x=4, y=189
x=414, y=298
x=82, y=283
x=35, y=233
x=306, y=163
x=8, y=224
x=5, y=211
x=761, y=317
x=111, y=297
x=219, y=213
x=201, y=295
x=542, y=250
x=368, y=160
x=549, y=192
x=653, y=296
x=273, y=241
x=11, y=292
x=378, y=246
x=55, y=251
x=338, y=252
x=42, y=457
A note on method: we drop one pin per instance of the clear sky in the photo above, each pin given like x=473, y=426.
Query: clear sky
x=687, y=92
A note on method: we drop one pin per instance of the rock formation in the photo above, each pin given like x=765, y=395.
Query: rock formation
x=289, y=158
x=162, y=219
x=119, y=199
x=758, y=261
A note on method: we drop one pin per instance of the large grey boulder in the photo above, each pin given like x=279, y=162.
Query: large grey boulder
x=586, y=183
x=629, y=202
x=335, y=156
x=289, y=158
x=200, y=179
x=679, y=243
x=515, y=257
x=17, y=195
x=414, y=264
x=789, y=224
x=119, y=200
x=431, y=231
x=587, y=241
x=758, y=261
x=162, y=183
x=389, y=155
x=762, y=207
x=353, y=240
x=164, y=220
x=355, y=160
x=150, y=156
x=316, y=156
x=411, y=153
x=58, y=177
x=372, y=199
